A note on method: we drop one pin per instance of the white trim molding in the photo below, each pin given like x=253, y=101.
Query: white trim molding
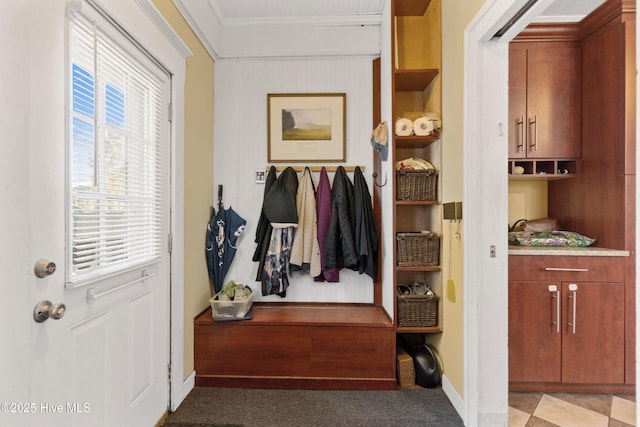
x=484, y=159
x=182, y=390
x=453, y=396
x=141, y=19
x=210, y=34
x=166, y=29
x=357, y=36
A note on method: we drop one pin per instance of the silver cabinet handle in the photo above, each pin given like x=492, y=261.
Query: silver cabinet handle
x=534, y=122
x=573, y=288
x=555, y=294
x=565, y=269
x=520, y=141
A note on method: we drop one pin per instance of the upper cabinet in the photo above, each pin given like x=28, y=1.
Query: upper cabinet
x=545, y=105
x=544, y=100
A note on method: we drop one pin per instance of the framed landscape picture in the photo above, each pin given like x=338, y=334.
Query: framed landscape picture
x=309, y=127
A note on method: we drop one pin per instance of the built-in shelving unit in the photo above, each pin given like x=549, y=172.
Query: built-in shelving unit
x=416, y=89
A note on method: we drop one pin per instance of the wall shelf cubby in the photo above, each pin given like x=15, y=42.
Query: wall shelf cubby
x=544, y=169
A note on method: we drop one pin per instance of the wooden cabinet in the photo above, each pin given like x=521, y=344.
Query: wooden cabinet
x=534, y=342
x=566, y=323
x=289, y=345
x=544, y=100
x=601, y=202
x=416, y=89
x=544, y=110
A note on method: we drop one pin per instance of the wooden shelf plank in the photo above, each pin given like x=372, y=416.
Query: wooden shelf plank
x=541, y=177
x=414, y=141
x=429, y=330
x=417, y=202
x=434, y=269
x=414, y=80
x=410, y=7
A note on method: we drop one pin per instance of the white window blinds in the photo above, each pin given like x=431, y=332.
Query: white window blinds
x=117, y=131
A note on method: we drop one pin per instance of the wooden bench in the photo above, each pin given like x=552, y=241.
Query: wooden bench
x=297, y=345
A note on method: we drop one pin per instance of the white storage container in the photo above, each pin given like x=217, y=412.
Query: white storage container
x=229, y=310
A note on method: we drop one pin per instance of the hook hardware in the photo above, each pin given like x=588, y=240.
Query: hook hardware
x=375, y=175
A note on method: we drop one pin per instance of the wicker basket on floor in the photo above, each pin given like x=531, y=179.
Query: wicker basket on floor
x=416, y=184
x=417, y=311
x=418, y=250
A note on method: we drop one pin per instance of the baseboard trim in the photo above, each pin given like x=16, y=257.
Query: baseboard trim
x=303, y=383
x=574, y=388
x=454, y=397
x=187, y=385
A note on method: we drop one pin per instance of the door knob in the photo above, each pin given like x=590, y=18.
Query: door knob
x=57, y=311
x=44, y=268
x=45, y=309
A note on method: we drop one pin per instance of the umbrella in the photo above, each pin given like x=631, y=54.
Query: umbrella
x=223, y=231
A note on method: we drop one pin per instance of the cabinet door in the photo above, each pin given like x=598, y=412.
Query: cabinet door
x=517, y=100
x=593, y=333
x=534, y=338
x=553, y=101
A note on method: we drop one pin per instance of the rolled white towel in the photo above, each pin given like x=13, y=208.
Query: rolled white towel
x=423, y=126
x=404, y=127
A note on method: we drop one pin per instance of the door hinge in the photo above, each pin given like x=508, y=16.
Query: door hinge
x=170, y=118
x=169, y=372
x=170, y=243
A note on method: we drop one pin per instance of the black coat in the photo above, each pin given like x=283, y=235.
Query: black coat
x=264, y=228
x=279, y=204
x=339, y=245
x=366, y=230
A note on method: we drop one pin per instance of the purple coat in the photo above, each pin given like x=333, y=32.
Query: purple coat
x=323, y=207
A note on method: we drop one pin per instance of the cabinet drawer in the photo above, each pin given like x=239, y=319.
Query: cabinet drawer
x=567, y=268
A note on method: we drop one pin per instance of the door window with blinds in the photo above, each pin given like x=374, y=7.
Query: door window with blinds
x=118, y=128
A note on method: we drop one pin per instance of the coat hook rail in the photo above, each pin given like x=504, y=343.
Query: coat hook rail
x=315, y=168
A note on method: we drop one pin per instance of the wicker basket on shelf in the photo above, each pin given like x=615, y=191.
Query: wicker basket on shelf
x=417, y=311
x=418, y=250
x=416, y=184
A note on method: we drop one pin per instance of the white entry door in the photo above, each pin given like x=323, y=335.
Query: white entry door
x=104, y=362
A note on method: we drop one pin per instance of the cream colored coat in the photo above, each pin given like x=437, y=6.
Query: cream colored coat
x=305, y=251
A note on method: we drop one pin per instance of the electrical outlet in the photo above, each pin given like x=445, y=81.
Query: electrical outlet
x=261, y=176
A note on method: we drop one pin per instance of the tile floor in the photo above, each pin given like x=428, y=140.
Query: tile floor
x=571, y=410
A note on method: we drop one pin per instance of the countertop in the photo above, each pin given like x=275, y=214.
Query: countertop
x=565, y=251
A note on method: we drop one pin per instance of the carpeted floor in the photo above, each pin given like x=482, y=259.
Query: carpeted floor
x=212, y=406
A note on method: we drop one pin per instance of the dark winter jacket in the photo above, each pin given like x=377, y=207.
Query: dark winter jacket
x=366, y=231
x=273, y=231
x=264, y=228
x=339, y=245
x=279, y=204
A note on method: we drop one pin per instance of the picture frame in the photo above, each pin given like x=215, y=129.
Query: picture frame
x=306, y=127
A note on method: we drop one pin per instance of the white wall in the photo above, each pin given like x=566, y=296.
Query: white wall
x=240, y=148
